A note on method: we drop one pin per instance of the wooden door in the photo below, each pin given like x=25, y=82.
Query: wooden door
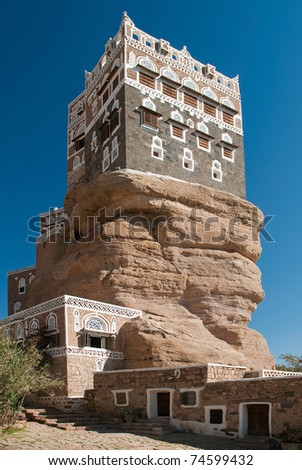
x=163, y=404
x=257, y=416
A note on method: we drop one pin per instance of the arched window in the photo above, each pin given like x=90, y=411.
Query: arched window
x=76, y=162
x=31, y=278
x=147, y=103
x=147, y=63
x=227, y=138
x=168, y=73
x=96, y=324
x=157, y=148
x=106, y=158
x=148, y=42
x=216, y=171
x=177, y=116
x=96, y=332
x=94, y=142
x=51, y=322
x=208, y=92
x=135, y=36
x=17, y=307
x=34, y=327
x=114, y=152
x=188, y=162
x=202, y=127
x=228, y=103
x=188, y=82
x=22, y=286
x=19, y=331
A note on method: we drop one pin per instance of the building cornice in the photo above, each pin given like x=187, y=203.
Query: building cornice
x=21, y=270
x=76, y=302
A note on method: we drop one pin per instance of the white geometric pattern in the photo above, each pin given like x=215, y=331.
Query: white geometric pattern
x=71, y=301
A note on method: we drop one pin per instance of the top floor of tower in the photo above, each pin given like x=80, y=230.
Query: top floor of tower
x=149, y=107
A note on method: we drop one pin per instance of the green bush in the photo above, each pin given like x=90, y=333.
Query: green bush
x=21, y=372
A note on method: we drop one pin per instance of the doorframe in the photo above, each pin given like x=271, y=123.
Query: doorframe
x=243, y=417
x=152, y=401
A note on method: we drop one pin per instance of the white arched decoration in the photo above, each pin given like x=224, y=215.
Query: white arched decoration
x=51, y=322
x=96, y=323
x=189, y=83
x=34, y=327
x=147, y=63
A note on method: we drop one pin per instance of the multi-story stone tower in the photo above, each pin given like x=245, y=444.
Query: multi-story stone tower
x=149, y=107
x=151, y=261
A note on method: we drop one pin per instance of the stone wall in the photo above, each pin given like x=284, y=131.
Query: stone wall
x=283, y=394
x=137, y=382
x=231, y=398
x=138, y=148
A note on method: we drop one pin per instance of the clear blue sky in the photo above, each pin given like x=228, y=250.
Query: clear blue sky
x=45, y=48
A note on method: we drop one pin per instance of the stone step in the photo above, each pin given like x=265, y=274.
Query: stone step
x=91, y=421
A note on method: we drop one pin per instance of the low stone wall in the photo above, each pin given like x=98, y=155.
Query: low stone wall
x=68, y=404
x=217, y=372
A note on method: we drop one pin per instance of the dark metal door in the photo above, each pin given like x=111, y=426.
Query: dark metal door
x=257, y=416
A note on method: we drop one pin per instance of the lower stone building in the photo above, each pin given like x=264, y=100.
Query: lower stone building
x=208, y=399
x=80, y=336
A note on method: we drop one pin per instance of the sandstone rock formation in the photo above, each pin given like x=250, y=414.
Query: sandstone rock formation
x=183, y=253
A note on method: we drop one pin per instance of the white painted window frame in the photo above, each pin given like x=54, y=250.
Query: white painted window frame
x=126, y=391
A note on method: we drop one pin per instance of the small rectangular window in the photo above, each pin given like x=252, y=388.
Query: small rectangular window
x=114, y=120
x=228, y=118
x=216, y=416
x=105, y=132
x=203, y=143
x=105, y=96
x=169, y=91
x=228, y=153
x=97, y=342
x=190, y=100
x=188, y=398
x=79, y=144
x=150, y=119
x=146, y=80
x=121, y=398
x=209, y=109
x=177, y=132
x=115, y=83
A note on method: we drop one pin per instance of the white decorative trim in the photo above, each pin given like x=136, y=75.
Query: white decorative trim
x=105, y=106
x=71, y=301
x=77, y=325
x=179, y=104
x=88, y=352
x=185, y=66
x=277, y=373
x=96, y=323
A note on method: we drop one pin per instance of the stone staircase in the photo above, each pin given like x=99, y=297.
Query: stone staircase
x=92, y=421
